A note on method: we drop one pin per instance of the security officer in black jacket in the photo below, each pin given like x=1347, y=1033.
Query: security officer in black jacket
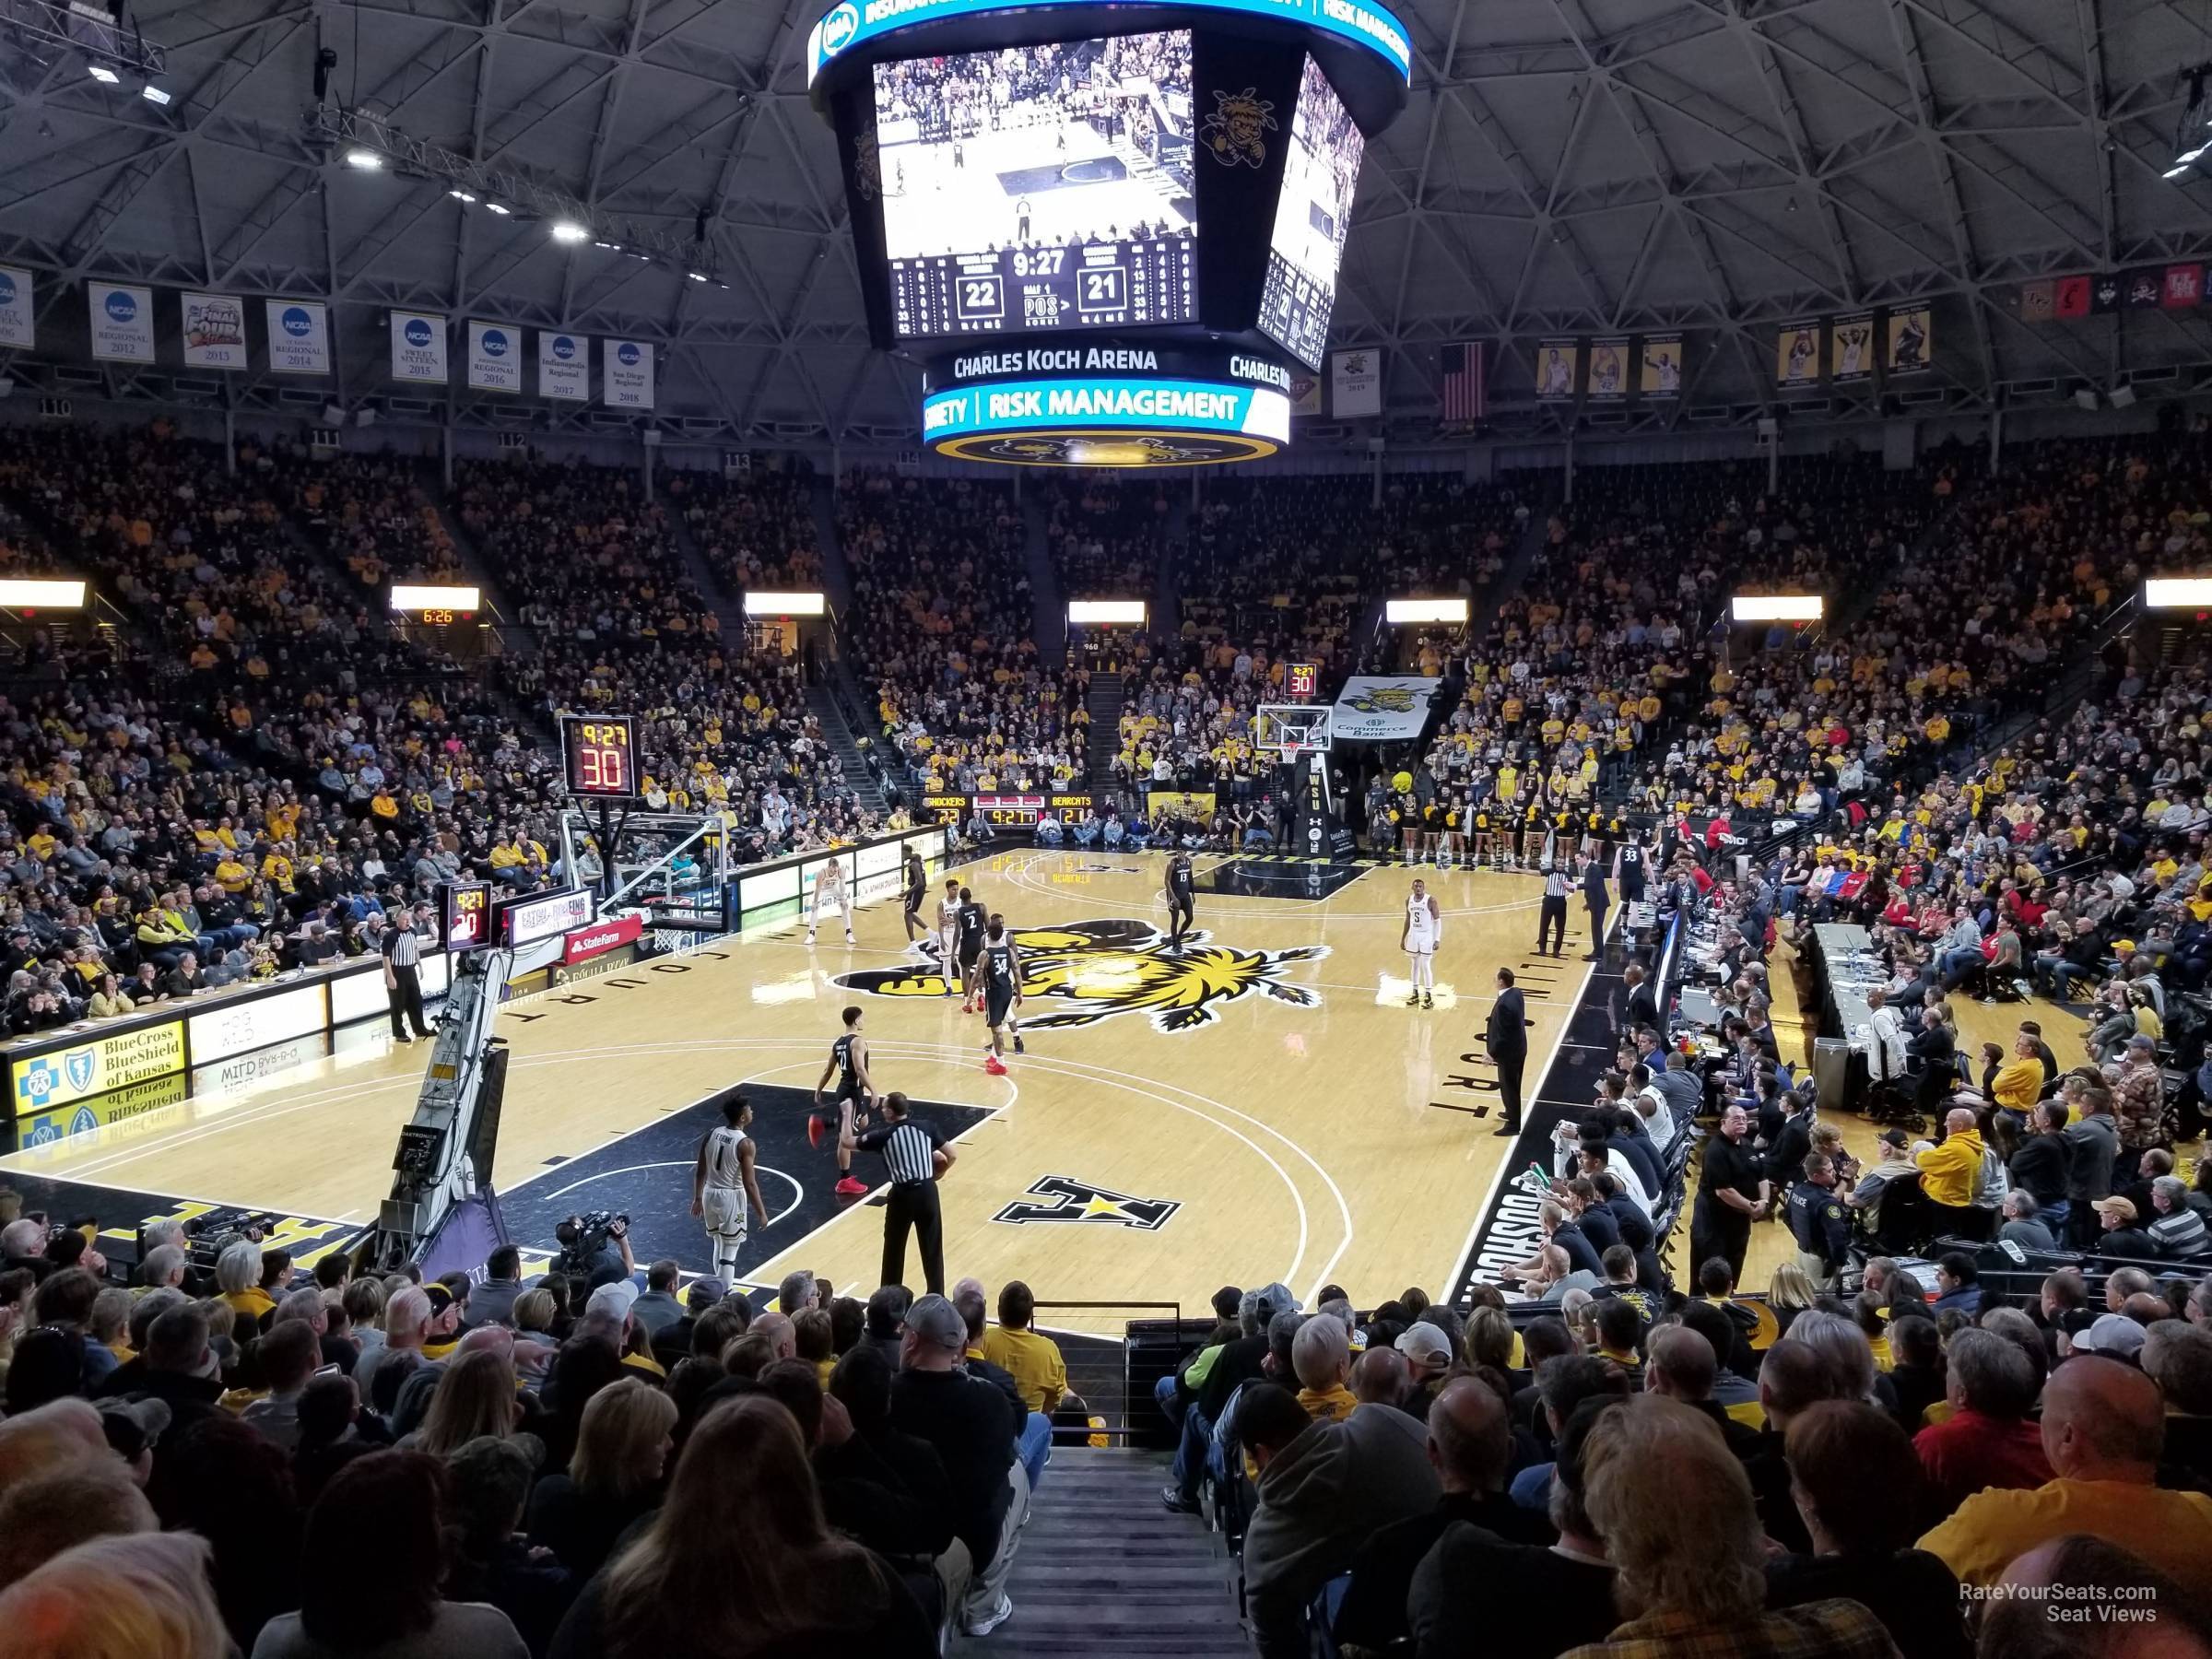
x=1817, y=1222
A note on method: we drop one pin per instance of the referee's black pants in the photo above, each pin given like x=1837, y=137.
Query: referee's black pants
x=405, y=994
x=1552, y=920
x=914, y=1204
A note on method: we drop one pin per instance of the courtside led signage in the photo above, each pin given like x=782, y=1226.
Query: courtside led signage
x=1402, y=611
x=1778, y=608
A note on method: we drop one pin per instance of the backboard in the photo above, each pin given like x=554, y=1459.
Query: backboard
x=1291, y=729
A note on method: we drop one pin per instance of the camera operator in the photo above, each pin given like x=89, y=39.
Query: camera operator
x=596, y=1248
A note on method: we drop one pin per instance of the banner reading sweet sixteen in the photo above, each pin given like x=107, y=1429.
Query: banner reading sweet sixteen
x=1379, y=708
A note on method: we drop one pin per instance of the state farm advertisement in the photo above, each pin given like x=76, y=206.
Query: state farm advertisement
x=599, y=938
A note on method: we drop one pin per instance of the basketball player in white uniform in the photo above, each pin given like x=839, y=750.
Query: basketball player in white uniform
x=948, y=936
x=829, y=895
x=724, y=1183
x=1424, y=927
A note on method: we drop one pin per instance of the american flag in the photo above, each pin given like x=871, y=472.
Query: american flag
x=1461, y=394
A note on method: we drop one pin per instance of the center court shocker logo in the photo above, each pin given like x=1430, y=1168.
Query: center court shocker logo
x=1384, y=699
x=1087, y=1206
x=1103, y=969
x=1236, y=130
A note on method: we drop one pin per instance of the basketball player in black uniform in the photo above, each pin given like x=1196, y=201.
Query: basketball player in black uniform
x=855, y=1094
x=1001, y=994
x=1628, y=868
x=1181, y=899
x=917, y=888
x=971, y=923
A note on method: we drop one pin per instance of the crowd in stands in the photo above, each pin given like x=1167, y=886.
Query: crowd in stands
x=1107, y=534
x=943, y=629
x=756, y=530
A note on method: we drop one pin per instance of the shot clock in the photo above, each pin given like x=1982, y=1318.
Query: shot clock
x=466, y=914
x=600, y=754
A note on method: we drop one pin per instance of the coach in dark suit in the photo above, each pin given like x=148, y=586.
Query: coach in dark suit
x=1507, y=1037
x=1597, y=901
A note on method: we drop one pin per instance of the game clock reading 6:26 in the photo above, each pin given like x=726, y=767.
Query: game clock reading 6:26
x=600, y=752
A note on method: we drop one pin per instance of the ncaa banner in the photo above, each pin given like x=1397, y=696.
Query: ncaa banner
x=1659, y=374
x=495, y=358
x=1305, y=392
x=418, y=347
x=1851, y=349
x=1376, y=708
x=1797, y=353
x=214, y=331
x=1556, y=364
x=1355, y=384
x=18, y=322
x=626, y=379
x=564, y=367
x=122, y=322
x=1608, y=371
x=298, y=337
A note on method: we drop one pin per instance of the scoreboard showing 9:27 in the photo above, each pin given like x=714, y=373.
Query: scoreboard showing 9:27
x=1101, y=284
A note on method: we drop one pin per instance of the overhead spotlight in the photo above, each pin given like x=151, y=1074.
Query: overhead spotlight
x=102, y=74
x=368, y=160
x=155, y=96
x=569, y=230
x=696, y=275
x=45, y=129
x=460, y=195
x=1792, y=205
x=2176, y=171
x=610, y=247
x=503, y=211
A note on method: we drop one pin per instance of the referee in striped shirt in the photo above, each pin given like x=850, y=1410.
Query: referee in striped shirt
x=1552, y=918
x=918, y=1156
x=402, y=979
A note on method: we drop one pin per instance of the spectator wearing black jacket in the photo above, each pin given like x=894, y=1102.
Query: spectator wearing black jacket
x=2038, y=1164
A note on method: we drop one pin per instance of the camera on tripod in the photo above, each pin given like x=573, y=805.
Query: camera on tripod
x=581, y=1238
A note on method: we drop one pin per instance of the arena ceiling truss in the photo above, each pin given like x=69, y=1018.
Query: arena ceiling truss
x=1565, y=167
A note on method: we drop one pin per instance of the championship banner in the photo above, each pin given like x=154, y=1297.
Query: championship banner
x=495, y=358
x=214, y=331
x=1379, y=708
x=1797, y=353
x=1608, y=379
x=17, y=317
x=1305, y=392
x=1355, y=384
x=418, y=347
x=1660, y=373
x=1851, y=343
x=564, y=367
x=122, y=322
x=298, y=337
x=2184, y=287
x=627, y=380
x=2145, y=288
x=1911, y=341
x=2036, y=300
x=1556, y=364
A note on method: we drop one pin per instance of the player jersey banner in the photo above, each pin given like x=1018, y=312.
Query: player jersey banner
x=495, y=356
x=1355, y=384
x=298, y=337
x=418, y=347
x=1660, y=373
x=564, y=367
x=1911, y=341
x=122, y=322
x=626, y=381
x=18, y=322
x=1379, y=708
x=1555, y=363
x=1851, y=342
x=1608, y=379
x=214, y=331
x=1797, y=353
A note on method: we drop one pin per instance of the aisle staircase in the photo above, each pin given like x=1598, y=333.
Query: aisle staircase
x=1104, y=1571
x=519, y=638
x=1103, y=699
x=1048, y=607
x=837, y=573
x=1167, y=590
x=728, y=607
x=822, y=702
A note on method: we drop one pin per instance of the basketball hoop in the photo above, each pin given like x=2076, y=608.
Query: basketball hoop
x=1291, y=748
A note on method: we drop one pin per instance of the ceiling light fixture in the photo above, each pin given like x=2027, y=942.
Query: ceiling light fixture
x=155, y=96
x=103, y=75
x=569, y=230
x=696, y=275
x=368, y=160
x=497, y=208
x=460, y=195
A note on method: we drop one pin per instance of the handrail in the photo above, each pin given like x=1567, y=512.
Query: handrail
x=1128, y=1401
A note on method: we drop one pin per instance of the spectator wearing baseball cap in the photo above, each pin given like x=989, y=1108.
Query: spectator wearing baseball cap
x=973, y=1427
x=1429, y=1356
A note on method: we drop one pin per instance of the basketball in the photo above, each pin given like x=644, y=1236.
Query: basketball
x=1402, y=783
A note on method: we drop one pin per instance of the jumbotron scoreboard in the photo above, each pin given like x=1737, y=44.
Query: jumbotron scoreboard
x=1107, y=232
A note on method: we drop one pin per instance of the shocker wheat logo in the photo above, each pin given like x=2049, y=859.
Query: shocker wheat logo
x=1383, y=700
x=1095, y=970
x=1237, y=129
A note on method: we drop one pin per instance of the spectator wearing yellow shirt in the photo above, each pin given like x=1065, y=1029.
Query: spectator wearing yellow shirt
x=1032, y=1360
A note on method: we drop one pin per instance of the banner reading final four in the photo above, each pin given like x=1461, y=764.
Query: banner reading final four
x=1376, y=708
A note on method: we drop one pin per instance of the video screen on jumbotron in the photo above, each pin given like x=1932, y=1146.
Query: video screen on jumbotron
x=1045, y=188
x=1320, y=172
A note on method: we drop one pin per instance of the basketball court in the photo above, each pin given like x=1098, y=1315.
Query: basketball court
x=1264, y=1107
